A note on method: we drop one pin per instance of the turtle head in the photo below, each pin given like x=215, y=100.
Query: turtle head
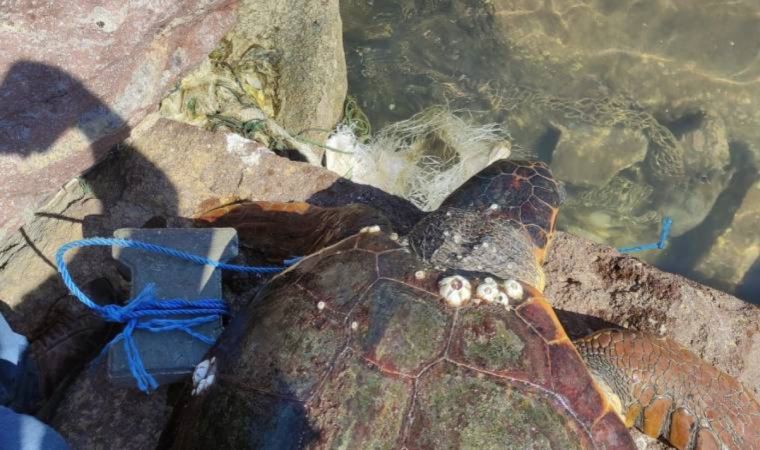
x=500, y=221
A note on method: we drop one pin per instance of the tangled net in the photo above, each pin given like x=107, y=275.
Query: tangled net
x=665, y=159
x=423, y=158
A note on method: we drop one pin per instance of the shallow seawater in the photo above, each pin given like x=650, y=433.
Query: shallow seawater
x=643, y=108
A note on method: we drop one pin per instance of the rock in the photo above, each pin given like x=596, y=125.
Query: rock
x=99, y=415
x=287, y=72
x=77, y=76
x=590, y=156
x=705, y=145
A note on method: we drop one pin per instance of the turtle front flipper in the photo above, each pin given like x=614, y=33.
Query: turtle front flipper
x=280, y=230
x=666, y=391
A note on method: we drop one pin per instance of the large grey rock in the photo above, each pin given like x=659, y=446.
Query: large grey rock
x=281, y=69
x=75, y=76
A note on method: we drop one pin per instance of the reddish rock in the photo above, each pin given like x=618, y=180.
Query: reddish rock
x=75, y=76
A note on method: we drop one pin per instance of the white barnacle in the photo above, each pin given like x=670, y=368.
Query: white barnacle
x=456, y=290
x=446, y=233
x=488, y=290
x=457, y=238
x=420, y=275
x=504, y=300
x=354, y=325
x=394, y=237
x=321, y=305
x=204, y=375
x=493, y=207
x=370, y=229
x=514, y=289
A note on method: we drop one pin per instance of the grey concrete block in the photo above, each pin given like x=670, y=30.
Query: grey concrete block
x=169, y=356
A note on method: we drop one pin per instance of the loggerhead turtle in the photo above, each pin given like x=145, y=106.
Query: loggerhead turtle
x=444, y=341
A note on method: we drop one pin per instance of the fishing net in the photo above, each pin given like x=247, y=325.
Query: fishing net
x=423, y=158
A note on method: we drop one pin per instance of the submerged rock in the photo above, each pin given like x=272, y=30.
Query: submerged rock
x=77, y=75
x=586, y=155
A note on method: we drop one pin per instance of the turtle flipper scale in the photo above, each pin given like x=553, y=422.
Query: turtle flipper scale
x=283, y=230
x=667, y=391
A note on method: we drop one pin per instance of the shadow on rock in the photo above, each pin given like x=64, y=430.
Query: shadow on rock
x=48, y=103
x=580, y=325
x=402, y=214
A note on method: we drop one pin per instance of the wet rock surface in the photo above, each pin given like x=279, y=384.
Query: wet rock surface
x=77, y=76
x=735, y=253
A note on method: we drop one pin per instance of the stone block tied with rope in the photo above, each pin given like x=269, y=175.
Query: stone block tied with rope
x=175, y=313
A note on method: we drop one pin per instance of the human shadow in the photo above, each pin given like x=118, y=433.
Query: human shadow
x=39, y=104
x=402, y=214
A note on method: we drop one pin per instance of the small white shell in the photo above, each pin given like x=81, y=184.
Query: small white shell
x=370, y=229
x=514, y=289
x=488, y=290
x=321, y=305
x=354, y=325
x=456, y=290
x=493, y=207
x=204, y=375
x=420, y=275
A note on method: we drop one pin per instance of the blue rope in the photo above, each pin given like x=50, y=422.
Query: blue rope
x=145, y=303
x=667, y=222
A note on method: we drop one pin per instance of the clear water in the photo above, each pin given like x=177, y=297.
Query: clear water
x=644, y=108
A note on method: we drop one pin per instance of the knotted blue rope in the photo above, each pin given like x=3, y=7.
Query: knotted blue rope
x=145, y=304
x=667, y=222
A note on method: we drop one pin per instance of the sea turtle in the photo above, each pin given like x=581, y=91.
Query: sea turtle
x=440, y=339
